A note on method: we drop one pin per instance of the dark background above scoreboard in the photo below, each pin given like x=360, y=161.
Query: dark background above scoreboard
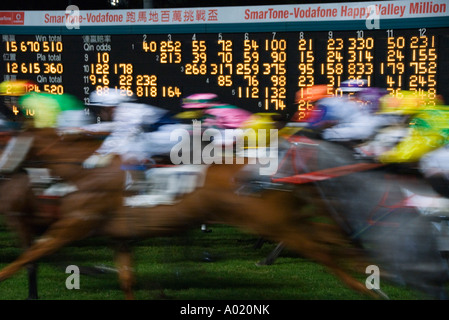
x=136, y=4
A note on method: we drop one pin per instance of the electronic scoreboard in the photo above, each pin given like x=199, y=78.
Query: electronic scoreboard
x=256, y=58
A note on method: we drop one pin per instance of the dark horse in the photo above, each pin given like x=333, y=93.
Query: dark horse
x=375, y=206
x=96, y=208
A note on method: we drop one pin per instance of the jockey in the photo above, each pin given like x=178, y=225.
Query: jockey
x=195, y=105
x=258, y=122
x=223, y=117
x=307, y=119
x=395, y=114
x=355, y=111
x=63, y=112
x=118, y=114
x=47, y=112
x=324, y=110
x=214, y=114
x=428, y=131
x=307, y=100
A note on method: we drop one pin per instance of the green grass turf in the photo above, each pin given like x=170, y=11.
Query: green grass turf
x=173, y=268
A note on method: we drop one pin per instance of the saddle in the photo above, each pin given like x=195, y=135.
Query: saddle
x=164, y=185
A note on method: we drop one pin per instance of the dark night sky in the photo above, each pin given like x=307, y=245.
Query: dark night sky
x=136, y=4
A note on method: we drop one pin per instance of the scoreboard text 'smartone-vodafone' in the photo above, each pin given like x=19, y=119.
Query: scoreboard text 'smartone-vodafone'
x=256, y=58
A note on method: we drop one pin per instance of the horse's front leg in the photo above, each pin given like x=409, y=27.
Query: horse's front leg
x=123, y=260
x=32, y=281
x=16, y=197
x=78, y=223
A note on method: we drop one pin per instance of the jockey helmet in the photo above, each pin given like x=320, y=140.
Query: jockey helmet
x=200, y=101
x=353, y=85
x=109, y=98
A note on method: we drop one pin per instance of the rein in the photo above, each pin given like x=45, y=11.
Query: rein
x=329, y=173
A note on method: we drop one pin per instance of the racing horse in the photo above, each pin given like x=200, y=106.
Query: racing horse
x=50, y=156
x=398, y=238
x=97, y=208
x=379, y=207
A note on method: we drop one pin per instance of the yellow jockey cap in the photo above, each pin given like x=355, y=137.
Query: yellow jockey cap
x=16, y=87
x=45, y=106
x=405, y=103
x=429, y=130
x=256, y=122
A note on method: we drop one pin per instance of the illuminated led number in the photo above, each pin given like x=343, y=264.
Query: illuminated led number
x=423, y=64
x=171, y=92
x=146, y=85
x=103, y=57
x=125, y=68
x=54, y=89
x=394, y=67
x=333, y=68
x=148, y=46
x=198, y=65
x=33, y=46
x=145, y=80
x=52, y=46
x=226, y=53
x=306, y=59
x=360, y=57
x=249, y=68
x=11, y=46
x=53, y=68
x=125, y=80
x=12, y=67
x=275, y=44
x=275, y=94
x=226, y=65
x=224, y=80
x=100, y=68
x=199, y=51
x=102, y=90
x=170, y=51
x=33, y=68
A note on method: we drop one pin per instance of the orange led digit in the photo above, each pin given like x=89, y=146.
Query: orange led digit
x=257, y=70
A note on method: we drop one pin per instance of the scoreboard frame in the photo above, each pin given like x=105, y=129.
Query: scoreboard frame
x=317, y=20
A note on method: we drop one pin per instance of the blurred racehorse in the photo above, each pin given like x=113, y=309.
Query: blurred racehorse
x=379, y=207
x=52, y=157
x=97, y=208
x=282, y=208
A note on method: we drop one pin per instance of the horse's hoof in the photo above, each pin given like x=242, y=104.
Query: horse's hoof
x=207, y=257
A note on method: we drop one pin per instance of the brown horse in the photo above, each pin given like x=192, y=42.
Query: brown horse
x=62, y=155
x=96, y=209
